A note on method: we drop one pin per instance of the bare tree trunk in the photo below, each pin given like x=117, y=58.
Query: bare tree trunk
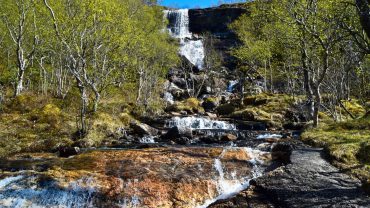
x=83, y=110
x=19, y=85
x=316, y=106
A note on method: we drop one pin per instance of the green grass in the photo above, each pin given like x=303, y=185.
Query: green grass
x=348, y=144
x=35, y=123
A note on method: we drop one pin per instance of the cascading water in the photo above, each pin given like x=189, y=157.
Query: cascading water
x=200, y=123
x=228, y=187
x=192, y=49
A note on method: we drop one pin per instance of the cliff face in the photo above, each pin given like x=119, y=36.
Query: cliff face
x=215, y=21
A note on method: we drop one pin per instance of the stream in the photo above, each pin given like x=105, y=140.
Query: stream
x=168, y=176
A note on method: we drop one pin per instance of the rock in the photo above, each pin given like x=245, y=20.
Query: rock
x=226, y=109
x=142, y=129
x=155, y=177
x=215, y=21
x=211, y=115
x=229, y=138
x=309, y=181
x=182, y=140
x=177, y=132
x=281, y=152
x=68, y=151
x=210, y=104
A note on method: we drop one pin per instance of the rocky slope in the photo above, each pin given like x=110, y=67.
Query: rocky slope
x=308, y=181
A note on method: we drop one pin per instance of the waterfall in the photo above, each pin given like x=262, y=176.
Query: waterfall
x=190, y=48
x=232, y=85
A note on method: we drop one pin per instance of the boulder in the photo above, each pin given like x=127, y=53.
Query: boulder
x=210, y=104
x=229, y=138
x=178, y=132
x=281, y=152
x=142, y=129
x=68, y=151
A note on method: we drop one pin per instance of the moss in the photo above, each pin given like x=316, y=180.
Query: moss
x=354, y=107
x=226, y=109
x=364, y=153
x=347, y=143
x=190, y=105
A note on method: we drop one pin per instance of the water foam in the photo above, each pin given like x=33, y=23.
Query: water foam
x=199, y=123
x=192, y=49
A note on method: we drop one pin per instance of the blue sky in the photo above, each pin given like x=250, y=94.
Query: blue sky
x=194, y=3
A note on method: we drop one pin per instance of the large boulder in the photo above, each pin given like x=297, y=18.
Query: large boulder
x=68, y=151
x=142, y=129
x=176, y=133
x=210, y=104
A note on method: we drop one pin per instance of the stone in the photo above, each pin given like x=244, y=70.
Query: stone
x=177, y=132
x=142, y=129
x=209, y=104
x=229, y=138
x=211, y=115
x=156, y=177
x=68, y=151
x=281, y=152
x=308, y=181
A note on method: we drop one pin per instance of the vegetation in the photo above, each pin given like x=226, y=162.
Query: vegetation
x=311, y=48
x=316, y=52
x=347, y=143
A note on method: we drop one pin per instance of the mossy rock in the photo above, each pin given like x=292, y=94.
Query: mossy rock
x=252, y=114
x=190, y=105
x=354, y=107
x=226, y=109
x=364, y=153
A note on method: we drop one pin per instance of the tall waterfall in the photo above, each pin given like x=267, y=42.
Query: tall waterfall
x=191, y=48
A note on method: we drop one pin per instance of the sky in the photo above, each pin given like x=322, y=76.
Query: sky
x=194, y=3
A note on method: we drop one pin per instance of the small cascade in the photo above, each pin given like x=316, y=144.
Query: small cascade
x=191, y=48
x=168, y=97
x=199, y=123
x=231, y=86
x=228, y=184
x=269, y=136
x=147, y=140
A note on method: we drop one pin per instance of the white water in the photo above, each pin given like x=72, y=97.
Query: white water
x=269, y=136
x=26, y=192
x=147, y=140
x=168, y=97
x=193, y=50
x=232, y=85
x=228, y=188
x=200, y=123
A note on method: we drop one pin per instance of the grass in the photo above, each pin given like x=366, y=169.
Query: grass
x=348, y=144
x=269, y=108
x=35, y=123
x=190, y=105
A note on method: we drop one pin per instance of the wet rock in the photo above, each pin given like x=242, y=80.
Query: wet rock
x=211, y=115
x=311, y=181
x=142, y=129
x=210, y=104
x=68, y=151
x=182, y=140
x=281, y=152
x=229, y=138
x=178, y=132
x=156, y=177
